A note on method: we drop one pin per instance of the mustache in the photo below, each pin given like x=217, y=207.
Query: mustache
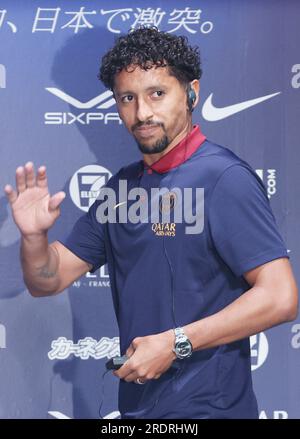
x=149, y=123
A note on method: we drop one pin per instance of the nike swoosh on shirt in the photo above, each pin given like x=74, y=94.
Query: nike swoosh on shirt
x=212, y=113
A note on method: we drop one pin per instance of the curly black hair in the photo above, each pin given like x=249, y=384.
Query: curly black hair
x=147, y=47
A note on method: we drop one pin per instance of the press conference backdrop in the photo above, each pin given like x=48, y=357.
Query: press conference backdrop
x=54, y=111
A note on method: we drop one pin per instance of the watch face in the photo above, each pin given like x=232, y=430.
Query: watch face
x=183, y=348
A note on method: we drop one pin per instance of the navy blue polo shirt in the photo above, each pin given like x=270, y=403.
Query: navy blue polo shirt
x=162, y=277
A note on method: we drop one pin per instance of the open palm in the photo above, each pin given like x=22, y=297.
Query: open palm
x=34, y=209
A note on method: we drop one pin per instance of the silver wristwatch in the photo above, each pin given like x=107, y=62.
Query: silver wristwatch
x=183, y=347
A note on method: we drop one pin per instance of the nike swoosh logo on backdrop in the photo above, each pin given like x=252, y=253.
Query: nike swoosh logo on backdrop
x=212, y=113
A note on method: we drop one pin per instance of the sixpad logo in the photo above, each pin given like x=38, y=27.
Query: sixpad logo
x=83, y=113
x=259, y=350
x=86, y=183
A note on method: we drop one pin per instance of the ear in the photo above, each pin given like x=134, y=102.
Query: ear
x=195, y=84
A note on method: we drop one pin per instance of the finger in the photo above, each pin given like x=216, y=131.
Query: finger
x=41, y=180
x=119, y=373
x=29, y=174
x=20, y=179
x=10, y=193
x=124, y=370
x=157, y=376
x=130, y=351
x=56, y=200
x=132, y=377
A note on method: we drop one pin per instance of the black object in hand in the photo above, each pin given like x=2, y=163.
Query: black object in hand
x=116, y=362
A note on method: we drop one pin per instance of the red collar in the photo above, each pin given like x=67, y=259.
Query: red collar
x=179, y=154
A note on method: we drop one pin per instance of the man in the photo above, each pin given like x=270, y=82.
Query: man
x=186, y=299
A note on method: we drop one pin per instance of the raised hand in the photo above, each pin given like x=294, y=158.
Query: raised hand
x=34, y=209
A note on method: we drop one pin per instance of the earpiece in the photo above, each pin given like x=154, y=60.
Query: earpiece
x=191, y=97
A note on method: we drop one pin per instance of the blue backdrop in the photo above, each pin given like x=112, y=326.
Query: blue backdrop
x=54, y=111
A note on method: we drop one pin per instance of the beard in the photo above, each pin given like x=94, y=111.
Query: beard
x=156, y=147
x=159, y=146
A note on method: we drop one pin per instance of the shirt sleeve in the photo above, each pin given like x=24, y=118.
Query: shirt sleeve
x=86, y=239
x=242, y=224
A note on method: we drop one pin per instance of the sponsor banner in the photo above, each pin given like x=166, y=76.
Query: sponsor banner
x=55, y=112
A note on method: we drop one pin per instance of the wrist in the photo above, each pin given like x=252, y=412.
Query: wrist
x=34, y=247
x=171, y=342
x=183, y=347
x=33, y=237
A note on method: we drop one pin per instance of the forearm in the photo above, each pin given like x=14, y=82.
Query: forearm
x=251, y=313
x=40, y=264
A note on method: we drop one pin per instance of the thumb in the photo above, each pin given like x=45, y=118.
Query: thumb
x=56, y=200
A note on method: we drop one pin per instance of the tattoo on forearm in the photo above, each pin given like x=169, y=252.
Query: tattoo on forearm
x=45, y=272
x=49, y=270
